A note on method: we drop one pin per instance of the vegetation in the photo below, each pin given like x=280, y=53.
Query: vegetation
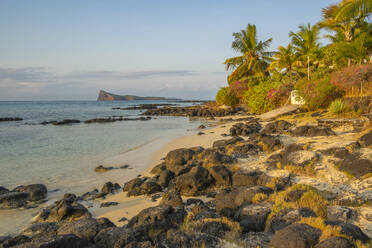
x=310, y=199
x=339, y=107
x=262, y=80
x=225, y=97
x=254, y=58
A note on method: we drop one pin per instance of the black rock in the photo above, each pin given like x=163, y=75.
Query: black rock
x=13, y=200
x=36, y=191
x=297, y=235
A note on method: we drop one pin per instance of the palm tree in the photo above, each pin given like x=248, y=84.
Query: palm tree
x=254, y=59
x=346, y=28
x=285, y=58
x=354, y=8
x=306, y=44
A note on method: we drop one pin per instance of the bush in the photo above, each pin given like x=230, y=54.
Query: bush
x=353, y=77
x=257, y=96
x=238, y=88
x=225, y=97
x=339, y=107
x=318, y=93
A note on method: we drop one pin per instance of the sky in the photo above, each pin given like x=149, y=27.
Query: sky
x=71, y=49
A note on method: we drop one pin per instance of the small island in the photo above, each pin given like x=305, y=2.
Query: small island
x=106, y=96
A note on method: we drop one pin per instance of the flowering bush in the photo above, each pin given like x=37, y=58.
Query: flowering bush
x=318, y=93
x=238, y=88
x=354, y=77
x=260, y=95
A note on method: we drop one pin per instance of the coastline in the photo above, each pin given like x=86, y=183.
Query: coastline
x=134, y=157
x=130, y=206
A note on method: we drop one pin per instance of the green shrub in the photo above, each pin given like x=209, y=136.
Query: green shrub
x=339, y=107
x=318, y=93
x=225, y=97
x=256, y=97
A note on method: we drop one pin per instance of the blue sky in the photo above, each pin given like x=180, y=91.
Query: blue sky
x=70, y=49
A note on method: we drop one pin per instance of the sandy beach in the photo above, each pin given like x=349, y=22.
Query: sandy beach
x=131, y=206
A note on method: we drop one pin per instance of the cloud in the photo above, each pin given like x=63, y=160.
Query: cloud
x=42, y=74
x=117, y=75
x=45, y=83
x=29, y=74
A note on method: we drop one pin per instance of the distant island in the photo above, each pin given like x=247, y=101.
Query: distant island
x=106, y=96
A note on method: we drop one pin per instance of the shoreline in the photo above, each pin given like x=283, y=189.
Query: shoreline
x=133, y=157
x=252, y=152
x=130, y=206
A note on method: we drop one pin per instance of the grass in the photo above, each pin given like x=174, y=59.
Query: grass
x=332, y=231
x=327, y=230
x=191, y=226
x=311, y=199
x=259, y=198
x=339, y=107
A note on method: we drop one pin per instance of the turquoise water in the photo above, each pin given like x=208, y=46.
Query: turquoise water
x=64, y=157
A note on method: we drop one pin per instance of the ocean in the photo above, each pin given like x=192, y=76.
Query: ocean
x=64, y=157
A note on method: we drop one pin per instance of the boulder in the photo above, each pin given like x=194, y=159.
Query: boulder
x=43, y=228
x=160, y=218
x=158, y=169
x=243, y=150
x=253, y=178
x=245, y=129
x=13, y=200
x=350, y=230
x=301, y=158
x=287, y=217
x=146, y=188
x=333, y=242
x=213, y=156
x=15, y=241
x=177, y=239
x=108, y=204
x=257, y=239
x=221, y=175
x=109, y=187
x=252, y=217
x=226, y=142
x=132, y=184
x=339, y=213
x=337, y=152
x=312, y=131
x=366, y=140
x=63, y=210
x=173, y=199
x=3, y=190
x=277, y=127
x=178, y=157
x=36, y=191
x=106, y=238
x=164, y=177
x=62, y=241
x=356, y=165
x=215, y=228
x=91, y=195
x=102, y=169
x=297, y=235
x=193, y=182
x=228, y=202
x=267, y=143
x=85, y=228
